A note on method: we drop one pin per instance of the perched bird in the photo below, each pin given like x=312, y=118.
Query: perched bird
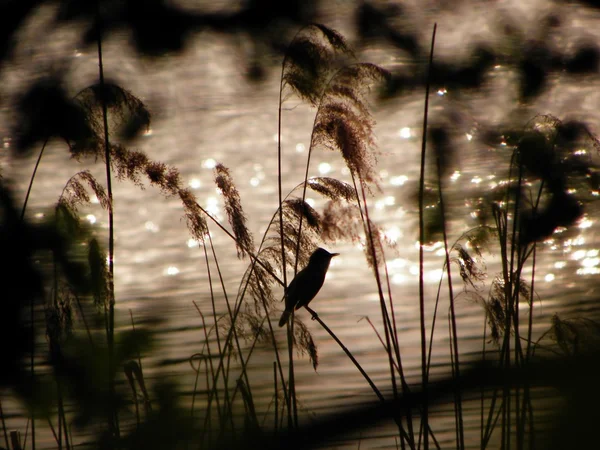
x=306, y=283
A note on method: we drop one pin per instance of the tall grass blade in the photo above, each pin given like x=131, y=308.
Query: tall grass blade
x=460, y=436
x=424, y=376
x=113, y=416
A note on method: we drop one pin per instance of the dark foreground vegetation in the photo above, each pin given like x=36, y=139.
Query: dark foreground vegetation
x=89, y=380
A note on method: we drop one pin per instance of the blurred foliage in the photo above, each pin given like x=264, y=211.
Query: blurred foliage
x=45, y=111
x=25, y=281
x=83, y=368
x=552, y=178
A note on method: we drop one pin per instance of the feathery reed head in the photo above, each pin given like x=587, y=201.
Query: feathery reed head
x=468, y=266
x=128, y=115
x=332, y=188
x=260, y=284
x=496, y=306
x=344, y=122
x=305, y=343
x=341, y=222
x=294, y=210
x=308, y=61
x=194, y=215
x=75, y=192
x=237, y=219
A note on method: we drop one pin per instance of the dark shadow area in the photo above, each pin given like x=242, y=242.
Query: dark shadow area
x=71, y=369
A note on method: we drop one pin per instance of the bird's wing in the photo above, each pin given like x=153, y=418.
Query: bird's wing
x=309, y=284
x=296, y=291
x=303, y=288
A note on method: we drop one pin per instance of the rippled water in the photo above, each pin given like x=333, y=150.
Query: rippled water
x=205, y=111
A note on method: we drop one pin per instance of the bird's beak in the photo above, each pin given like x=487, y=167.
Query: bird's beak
x=334, y=254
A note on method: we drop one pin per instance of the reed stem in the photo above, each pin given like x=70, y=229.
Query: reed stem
x=424, y=371
x=113, y=415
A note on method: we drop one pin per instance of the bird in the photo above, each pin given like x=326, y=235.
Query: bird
x=307, y=283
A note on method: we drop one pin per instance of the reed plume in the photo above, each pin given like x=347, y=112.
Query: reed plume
x=332, y=188
x=309, y=60
x=233, y=206
x=471, y=270
x=344, y=122
x=305, y=343
x=129, y=115
x=75, y=192
x=575, y=336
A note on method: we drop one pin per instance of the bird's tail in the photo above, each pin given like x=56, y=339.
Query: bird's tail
x=284, y=317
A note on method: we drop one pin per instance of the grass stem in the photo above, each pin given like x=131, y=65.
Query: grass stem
x=424, y=376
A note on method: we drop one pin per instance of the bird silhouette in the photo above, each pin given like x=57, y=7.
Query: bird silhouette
x=307, y=283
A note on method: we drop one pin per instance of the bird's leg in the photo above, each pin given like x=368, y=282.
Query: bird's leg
x=312, y=312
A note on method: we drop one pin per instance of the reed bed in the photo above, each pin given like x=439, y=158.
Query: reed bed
x=91, y=377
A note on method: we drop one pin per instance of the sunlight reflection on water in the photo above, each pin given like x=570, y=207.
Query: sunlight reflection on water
x=160, y=269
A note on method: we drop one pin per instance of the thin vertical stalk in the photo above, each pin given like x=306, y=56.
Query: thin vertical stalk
x=395, y=341
x=293, y=413
x=482, y=392
x=113, y=416
x=528, y=352
x=377, y=392
x=229, y=310
x=215, y=320
x=236, y=311
x=194, y=392
x=139, y=355
x=316, y=317
x=144, y=393
x=276, y=412
x=434, y=322
x=424, y=374
x=505, y=350
x=454, y=337
x=291, y=400
x=26, y=434
x=512, y=288
x=390, y=330
x=52, y=429
x=214, y=375
x=237, y=306
x=385, y=316
x=85, y=324
x=274, y=343
x=32, y=363
x=279, y=175
x=292, y=386
x=250, y=351
x=527, y=409
x=32, y=304
x=35, y=168
x=54, y=350
x=238, y=303
x=501, y=225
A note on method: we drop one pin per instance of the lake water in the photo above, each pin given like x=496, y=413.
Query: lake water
x=206, y=111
